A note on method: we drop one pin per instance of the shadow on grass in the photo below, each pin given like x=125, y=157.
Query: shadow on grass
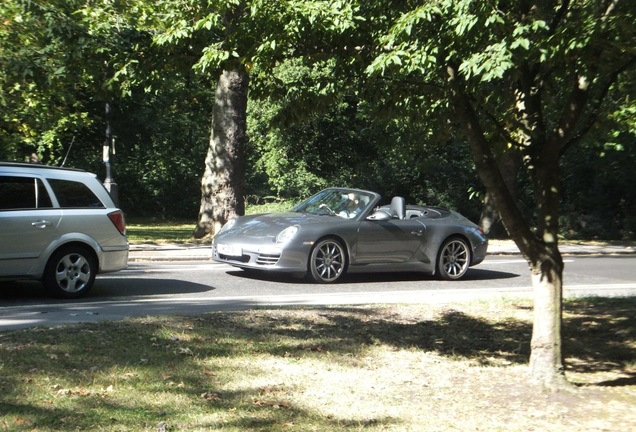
x=600, y=333
x=619, y=382
x=70, y=368
x=453, y=333
x=184, y=356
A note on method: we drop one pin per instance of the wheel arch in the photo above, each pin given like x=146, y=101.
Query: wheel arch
x=76, y=244
x=446, y=240
x=70, y=240
x=456, y=235
x=340, y=240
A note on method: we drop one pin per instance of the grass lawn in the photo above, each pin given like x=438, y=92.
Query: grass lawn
x=456, y=367
x=148, y=231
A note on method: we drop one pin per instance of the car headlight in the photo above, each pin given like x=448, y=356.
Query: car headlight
x=229, y=224
x=287, y=234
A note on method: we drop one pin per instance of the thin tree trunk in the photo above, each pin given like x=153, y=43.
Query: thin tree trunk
x=546, y=363
x=223, y=179
x=490, y=220
x=546, y=263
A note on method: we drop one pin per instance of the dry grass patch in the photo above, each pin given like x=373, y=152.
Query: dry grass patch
x=392, y=368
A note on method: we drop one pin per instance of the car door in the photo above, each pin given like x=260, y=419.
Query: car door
x=28, y=223
x=388, y=241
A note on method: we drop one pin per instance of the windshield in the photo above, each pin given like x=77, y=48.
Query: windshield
x=346, y=203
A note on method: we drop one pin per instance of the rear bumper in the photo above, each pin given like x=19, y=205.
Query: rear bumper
x=113, y=260
x=479, y=253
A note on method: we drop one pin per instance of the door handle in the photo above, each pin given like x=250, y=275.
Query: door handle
x=41, y=224
x=417, y=233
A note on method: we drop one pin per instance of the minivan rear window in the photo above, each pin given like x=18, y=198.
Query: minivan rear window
x=23, y=193
x=71, y=194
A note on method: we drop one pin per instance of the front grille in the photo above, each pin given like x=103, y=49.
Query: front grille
x=242, y=258
x=268, y=259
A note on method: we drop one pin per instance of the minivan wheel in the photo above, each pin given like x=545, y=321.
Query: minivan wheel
x=70, y=272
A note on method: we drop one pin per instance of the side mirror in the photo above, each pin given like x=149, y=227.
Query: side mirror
x=380, y=215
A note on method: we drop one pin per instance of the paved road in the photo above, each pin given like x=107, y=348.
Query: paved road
x=186, y=287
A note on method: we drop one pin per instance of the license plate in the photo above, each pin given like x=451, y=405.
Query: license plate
x=229, y=250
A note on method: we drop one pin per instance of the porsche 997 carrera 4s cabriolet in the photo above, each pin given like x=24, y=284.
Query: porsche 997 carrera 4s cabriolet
x=340, y=230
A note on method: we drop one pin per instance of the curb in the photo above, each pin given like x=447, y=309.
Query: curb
x=198, y=252
x=169, y=252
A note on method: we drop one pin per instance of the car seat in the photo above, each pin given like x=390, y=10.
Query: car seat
x=398, y=207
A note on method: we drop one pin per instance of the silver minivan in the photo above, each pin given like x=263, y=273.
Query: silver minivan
x=60, y=226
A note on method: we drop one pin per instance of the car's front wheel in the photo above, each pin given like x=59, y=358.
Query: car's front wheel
x=453, y=259
x=70, y=272
x=328, y=261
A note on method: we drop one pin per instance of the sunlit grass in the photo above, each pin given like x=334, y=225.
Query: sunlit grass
x=160, y=232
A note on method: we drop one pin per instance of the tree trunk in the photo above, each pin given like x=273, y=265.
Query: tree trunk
x=223, y=179
x=546, y=263
x=490, y=220
x=546, y=363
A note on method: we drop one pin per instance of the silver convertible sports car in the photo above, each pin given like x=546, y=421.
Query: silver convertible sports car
x=342, y=230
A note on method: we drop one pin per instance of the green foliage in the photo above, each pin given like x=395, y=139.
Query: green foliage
x=599, y=200
x=43, y=82
x=348, y=146
x=341, y=93
x=531, y=72
x=162, y=138
x=64, y=60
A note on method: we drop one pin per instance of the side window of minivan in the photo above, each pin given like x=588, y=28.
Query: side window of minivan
x=71, y=194
x=23, y=193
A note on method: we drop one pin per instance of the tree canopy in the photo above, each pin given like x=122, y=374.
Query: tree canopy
x=391, y=129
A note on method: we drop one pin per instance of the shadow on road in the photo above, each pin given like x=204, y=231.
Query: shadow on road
x=471, y=275
x=29, y=292
x=144, y=287
x=481, y=274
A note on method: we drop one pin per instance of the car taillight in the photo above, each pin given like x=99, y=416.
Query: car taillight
x=117, y=218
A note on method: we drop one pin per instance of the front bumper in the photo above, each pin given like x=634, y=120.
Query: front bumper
x=265, y=258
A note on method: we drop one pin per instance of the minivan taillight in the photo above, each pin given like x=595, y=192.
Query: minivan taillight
x=117, y=218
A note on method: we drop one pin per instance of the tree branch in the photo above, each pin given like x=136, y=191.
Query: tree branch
x=559, y=15
x=488, y=168
x=595, y=110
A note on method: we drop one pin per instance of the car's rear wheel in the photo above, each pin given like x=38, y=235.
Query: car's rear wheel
x=328, y=261
x=70, y=272
x=453, y=259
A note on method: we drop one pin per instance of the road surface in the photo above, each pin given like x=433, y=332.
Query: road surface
x=154, y=288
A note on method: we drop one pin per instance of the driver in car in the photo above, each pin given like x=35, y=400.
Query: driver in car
x=352, y=207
